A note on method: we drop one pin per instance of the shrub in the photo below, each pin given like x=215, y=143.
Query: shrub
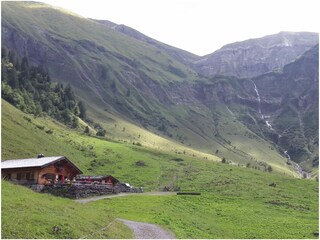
x=178, y=159
x=140, y=163
x=101, y=132
x=49, y=131
x=86, y=130
x=27, y=118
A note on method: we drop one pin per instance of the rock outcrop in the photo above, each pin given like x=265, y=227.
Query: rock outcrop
x=254, y=57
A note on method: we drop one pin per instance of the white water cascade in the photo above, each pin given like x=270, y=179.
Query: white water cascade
x=258, y=95
x=297, y=167
x=260, y=111
x=287, y=155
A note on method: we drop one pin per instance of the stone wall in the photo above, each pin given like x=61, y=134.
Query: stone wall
x=76, y=191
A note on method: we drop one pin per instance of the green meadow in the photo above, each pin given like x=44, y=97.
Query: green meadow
x=235, y=202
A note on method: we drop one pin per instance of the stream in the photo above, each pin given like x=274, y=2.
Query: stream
x=297, y=167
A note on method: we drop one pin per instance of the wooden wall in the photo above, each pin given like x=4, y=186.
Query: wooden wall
x=21, y=176
x=36, y=174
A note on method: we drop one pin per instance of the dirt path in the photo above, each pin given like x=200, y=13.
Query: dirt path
x=147, y=230
x=86, y=200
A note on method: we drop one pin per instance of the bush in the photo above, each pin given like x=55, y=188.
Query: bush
x=101, y=132
x=178, y=159
x=140, y=163
x=86, y=130
x=27, y=118
x=49, y=131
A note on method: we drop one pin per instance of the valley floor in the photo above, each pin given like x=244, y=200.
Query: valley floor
x=235, y=202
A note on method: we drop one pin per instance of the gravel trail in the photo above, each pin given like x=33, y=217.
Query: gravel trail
x=147, y=230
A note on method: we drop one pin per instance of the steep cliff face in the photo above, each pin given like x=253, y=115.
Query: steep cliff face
x=280, y=106
x=256, y=56
x=294, y=119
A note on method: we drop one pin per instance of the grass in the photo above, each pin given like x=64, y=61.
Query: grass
x=237, y=205
x=26, y=214
x=230, y=194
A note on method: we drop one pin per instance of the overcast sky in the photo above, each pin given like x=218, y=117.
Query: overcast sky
x=202, y=26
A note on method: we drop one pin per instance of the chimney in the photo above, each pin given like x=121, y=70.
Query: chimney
x=40, y=155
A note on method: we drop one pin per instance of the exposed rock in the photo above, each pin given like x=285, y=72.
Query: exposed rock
x=256, y=56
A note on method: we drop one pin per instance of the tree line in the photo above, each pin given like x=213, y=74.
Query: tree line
x=30, y=89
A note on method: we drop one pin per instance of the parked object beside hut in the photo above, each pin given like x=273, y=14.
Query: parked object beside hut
x=126, y=187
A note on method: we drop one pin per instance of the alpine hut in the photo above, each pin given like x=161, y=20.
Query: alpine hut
x=41, y=170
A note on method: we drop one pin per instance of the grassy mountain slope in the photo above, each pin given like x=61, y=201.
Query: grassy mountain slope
x=135, y=89
x=230, y=194
x=178, y=54
x=24, y=136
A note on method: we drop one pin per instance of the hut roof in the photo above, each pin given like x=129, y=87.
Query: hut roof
x=96, y=178
x=35, y=162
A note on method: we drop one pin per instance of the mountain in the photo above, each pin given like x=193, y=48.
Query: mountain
x=280, y=106
x=254, y=57
x=178, y=54
x=143, y=91
x=290, y=103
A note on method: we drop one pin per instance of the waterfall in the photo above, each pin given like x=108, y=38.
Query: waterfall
x=297, y=167
x=287, y=155
x=230, y=111
x=258, y=95
x=259, y=100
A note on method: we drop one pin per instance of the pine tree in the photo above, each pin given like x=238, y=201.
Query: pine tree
x=86, y=130
x=82, y=110
x=13, y=78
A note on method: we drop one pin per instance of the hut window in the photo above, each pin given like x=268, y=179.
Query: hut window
x=18, y=176
x=7, y=176
x=30, y=176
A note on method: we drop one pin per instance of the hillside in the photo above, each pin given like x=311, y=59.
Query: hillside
x=178, y=54
x=230, y=194
x=136, y=89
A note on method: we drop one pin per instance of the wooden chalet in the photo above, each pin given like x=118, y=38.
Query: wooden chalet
x=41, y=170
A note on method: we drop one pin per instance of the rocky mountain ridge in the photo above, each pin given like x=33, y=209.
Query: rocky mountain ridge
x=254, y=57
